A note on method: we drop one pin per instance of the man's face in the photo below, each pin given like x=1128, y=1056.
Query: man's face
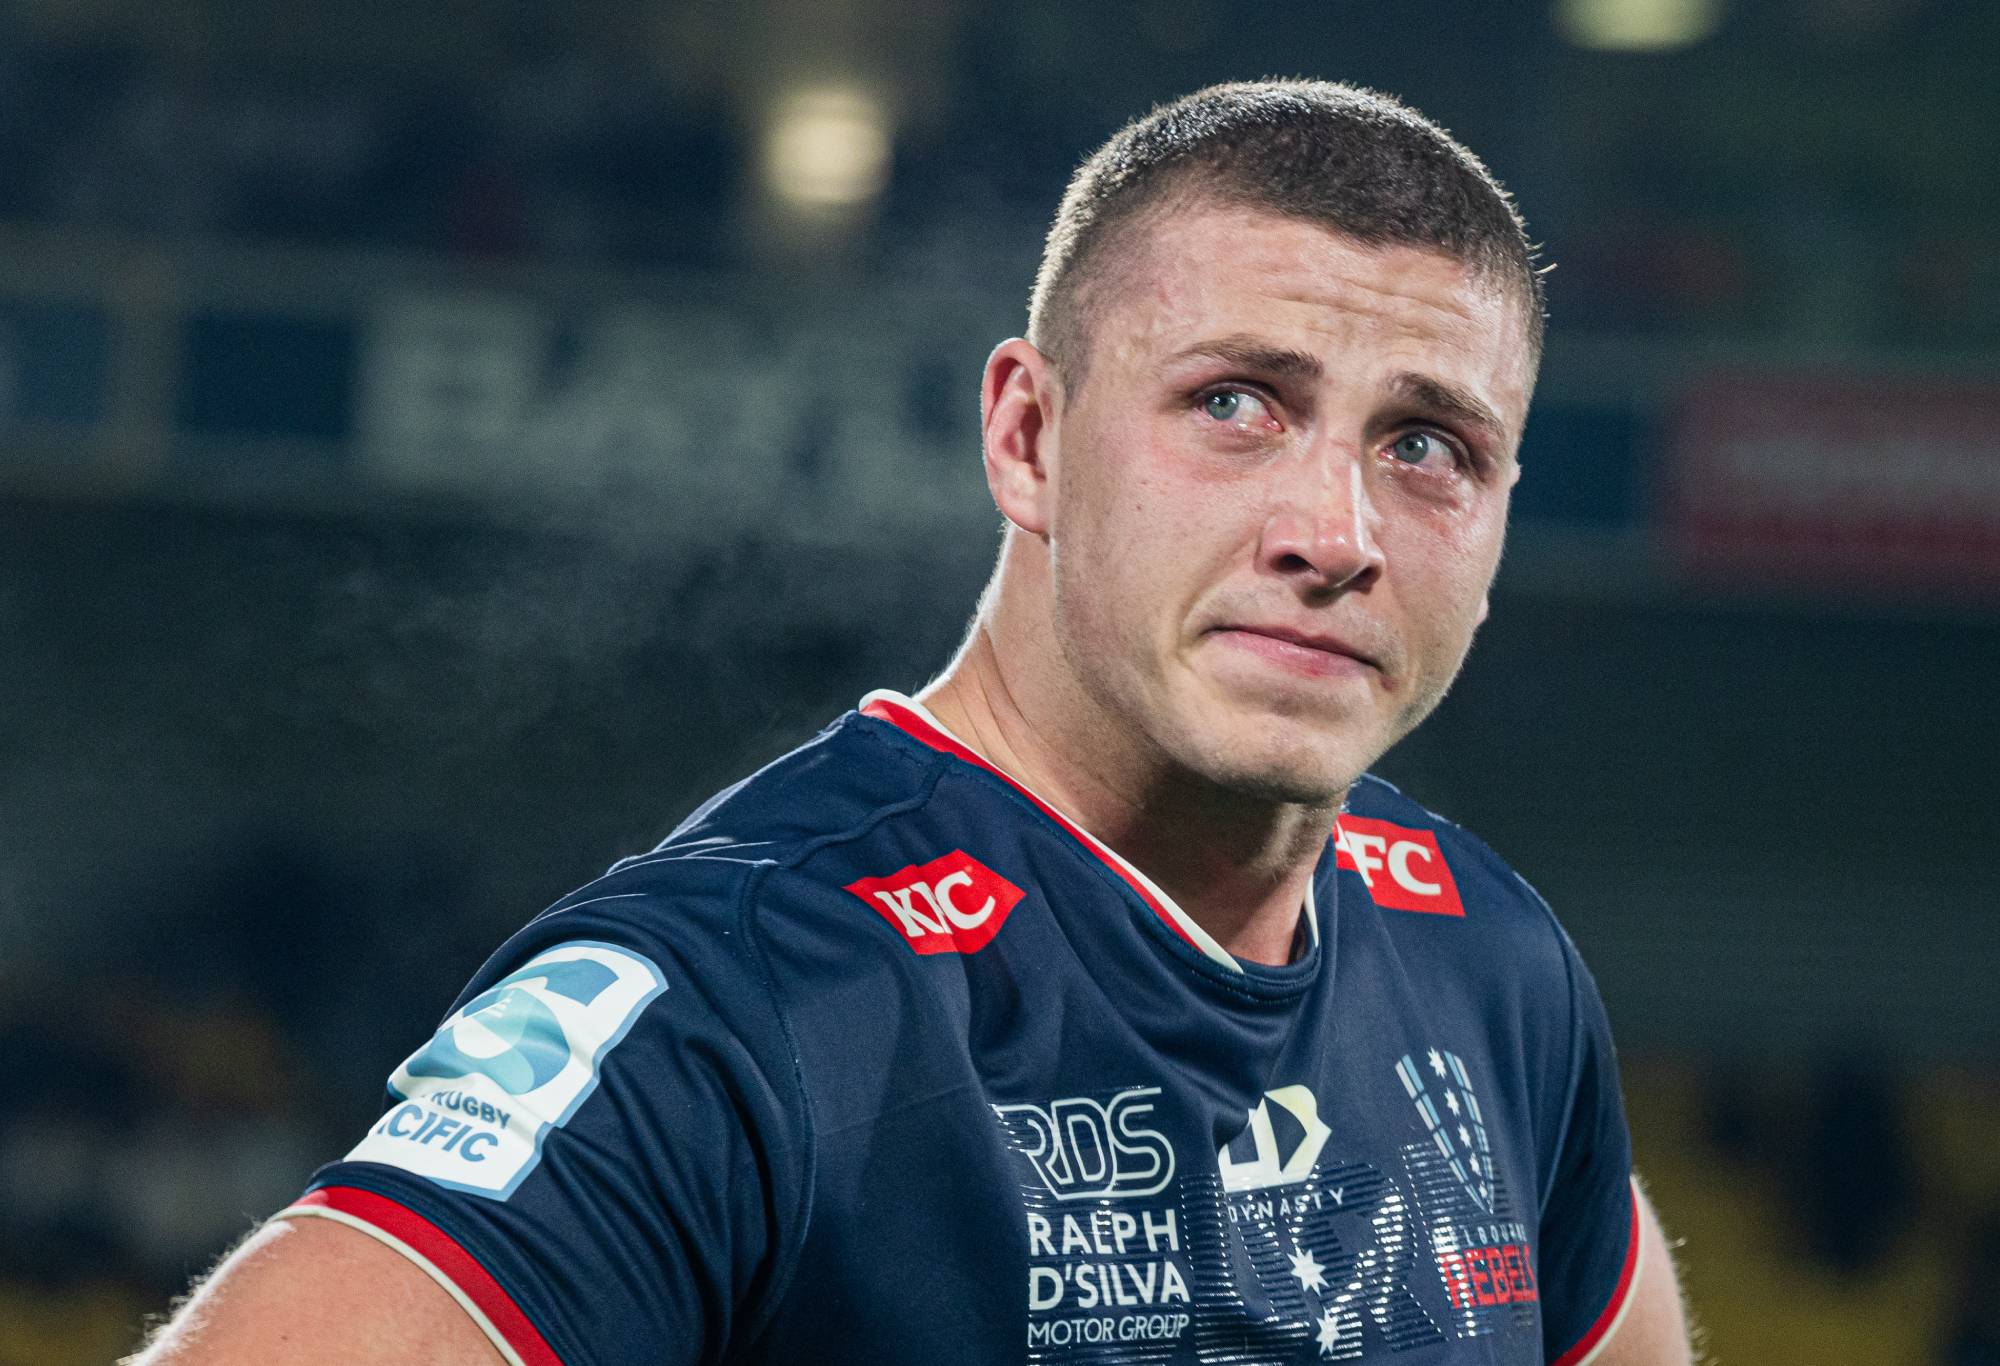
x=1279, y=494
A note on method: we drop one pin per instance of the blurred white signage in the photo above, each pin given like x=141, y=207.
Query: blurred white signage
x=708, y=420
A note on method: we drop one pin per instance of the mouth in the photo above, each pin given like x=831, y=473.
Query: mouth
x=1314, y=654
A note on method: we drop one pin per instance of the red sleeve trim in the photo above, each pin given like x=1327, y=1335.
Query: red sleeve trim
x=438, y=1248
x=1608, y=1320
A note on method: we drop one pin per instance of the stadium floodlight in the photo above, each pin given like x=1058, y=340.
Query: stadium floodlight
x=827, y=147
x=1637, y=25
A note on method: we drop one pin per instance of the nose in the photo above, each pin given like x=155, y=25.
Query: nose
x=1320, y=530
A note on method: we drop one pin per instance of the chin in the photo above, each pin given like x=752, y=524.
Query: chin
x=1276, y=753
x=1280, y=767
x=1290, y=788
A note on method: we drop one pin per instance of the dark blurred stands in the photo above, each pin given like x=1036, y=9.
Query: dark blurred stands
x=432, y=458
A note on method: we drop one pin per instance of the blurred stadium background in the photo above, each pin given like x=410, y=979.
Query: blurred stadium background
x=442, y=443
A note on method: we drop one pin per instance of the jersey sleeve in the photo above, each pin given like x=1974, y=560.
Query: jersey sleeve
x=602, y=1152
x=1589, y=1227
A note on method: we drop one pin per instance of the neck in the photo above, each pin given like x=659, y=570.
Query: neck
x=1238, y=865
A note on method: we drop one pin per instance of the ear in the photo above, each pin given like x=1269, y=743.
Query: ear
x=1020, y=401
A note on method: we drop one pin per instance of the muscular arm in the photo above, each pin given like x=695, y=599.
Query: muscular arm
x=1653, y=1330
x=311, y=1292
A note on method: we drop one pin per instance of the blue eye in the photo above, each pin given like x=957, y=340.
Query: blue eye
x=1416, y=447
x=1231, y=405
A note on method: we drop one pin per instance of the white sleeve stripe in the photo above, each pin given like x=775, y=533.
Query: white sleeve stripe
x=422, y=1262
x=1631, y=1286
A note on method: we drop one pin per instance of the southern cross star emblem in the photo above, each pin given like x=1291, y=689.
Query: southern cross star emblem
x=1471, y=1156
x=1329, y=1333
x=1312, y=1276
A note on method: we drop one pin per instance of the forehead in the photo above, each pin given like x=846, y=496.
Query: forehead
x=1195, y=273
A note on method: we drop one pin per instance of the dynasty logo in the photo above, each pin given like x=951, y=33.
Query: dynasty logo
x=1264, y=1167
x=1311, y=1254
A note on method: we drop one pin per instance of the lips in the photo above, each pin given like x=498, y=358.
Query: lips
x=1300, y=650
x=1323, y=641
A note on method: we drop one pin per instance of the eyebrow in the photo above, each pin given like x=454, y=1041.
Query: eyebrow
x=1426, y=392
x=1251, y=354
x=1447, y=400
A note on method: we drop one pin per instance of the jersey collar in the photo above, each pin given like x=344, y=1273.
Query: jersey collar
x=916, y=721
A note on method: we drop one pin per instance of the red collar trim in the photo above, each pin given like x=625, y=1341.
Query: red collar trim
x=905, y=716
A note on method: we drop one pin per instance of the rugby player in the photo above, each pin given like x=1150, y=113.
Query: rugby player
x=1095, y=1005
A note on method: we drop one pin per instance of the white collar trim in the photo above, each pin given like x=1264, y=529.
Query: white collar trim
x=1180, y=919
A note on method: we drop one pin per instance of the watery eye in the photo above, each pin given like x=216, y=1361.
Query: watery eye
x=1417, y=447
x=1231, y=405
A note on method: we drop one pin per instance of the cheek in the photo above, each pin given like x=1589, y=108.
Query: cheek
x=1131, y=559
x=1110, y=570
x=1093, y=554
x=1106, y=521
x=1447, y=567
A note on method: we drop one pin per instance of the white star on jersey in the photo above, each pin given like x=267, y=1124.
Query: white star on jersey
x=1329, y=1333
x=1451, y=1099
x=1312, y=1276
x=1437, y=1063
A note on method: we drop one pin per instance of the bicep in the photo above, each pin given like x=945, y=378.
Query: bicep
x=314, y=1292
x=1652, y=1328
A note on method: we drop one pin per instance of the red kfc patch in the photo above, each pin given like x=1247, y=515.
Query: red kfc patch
x=954, y=904
x=1404, y=869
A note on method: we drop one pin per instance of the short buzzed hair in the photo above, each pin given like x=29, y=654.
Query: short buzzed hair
x=1360, y=163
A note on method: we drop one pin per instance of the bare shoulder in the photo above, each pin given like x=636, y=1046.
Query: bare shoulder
x=1653, y=1329
x=311, y=1291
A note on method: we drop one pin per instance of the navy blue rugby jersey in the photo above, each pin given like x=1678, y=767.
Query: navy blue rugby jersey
x=880, y=1058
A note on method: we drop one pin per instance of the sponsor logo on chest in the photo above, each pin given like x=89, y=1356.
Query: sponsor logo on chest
x=953, y=904
x=1292, y=1246
x=1403, y=869
x=1107, y=1263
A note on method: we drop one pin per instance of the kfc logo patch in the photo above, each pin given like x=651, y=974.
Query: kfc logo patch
x=1404, y=869
x=954, y=904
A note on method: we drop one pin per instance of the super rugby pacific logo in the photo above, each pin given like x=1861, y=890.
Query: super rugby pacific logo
x=508, y=1066
x=510, y=1031
x=953, y=904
